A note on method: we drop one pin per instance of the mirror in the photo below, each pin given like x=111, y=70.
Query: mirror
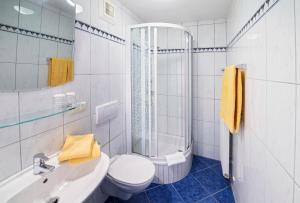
x=32, y=33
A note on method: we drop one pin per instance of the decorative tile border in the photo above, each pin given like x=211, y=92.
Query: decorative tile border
x=210, y=49
x=264, y=8
x=9, y=28
x=195, y=50
x=96, y=31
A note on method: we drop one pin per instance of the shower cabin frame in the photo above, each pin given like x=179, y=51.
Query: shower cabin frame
x=152, y=98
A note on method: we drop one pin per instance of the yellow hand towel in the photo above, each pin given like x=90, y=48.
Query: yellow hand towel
x=57, y=71
x=95, y=154
x=70, y=70
x=232, y=98
x=79, y=146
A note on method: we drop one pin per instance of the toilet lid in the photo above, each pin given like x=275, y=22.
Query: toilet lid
x=131, y=169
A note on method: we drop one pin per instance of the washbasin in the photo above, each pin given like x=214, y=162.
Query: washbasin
x=65, y=184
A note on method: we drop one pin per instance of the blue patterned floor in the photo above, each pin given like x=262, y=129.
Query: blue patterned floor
x=204, y=184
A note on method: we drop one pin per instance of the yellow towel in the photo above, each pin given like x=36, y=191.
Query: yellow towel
x=79, y=146
x=70, y=70
x=60, y=71
x=232, y=98
x=94, y=155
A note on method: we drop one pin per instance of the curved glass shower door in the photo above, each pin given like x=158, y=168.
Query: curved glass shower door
x=161, y=89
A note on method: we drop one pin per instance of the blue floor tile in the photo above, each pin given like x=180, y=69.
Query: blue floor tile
x=190, y=189
x=209, y=200
x=225, y=196
x=209, y=162
x=138, y=198
x=217, y=169
x=211, y=181
x=197, y=164
x=163, y=194
x=152, y=185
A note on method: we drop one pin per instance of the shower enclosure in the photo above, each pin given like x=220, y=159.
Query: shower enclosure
x=161, y=65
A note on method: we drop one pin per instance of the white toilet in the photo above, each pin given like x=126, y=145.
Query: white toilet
x=127, y=175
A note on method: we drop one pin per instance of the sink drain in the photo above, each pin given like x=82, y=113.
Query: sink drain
x=53, y=200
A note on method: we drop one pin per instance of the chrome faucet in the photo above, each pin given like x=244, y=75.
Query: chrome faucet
x=39, y=165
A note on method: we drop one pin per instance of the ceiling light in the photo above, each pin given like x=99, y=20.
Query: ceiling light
x=79, y=8
x=23, y=10
x=71, y=3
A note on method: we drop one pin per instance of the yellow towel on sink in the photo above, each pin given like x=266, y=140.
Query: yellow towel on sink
x=232, y=98
x=79, y=146
x=94, y=155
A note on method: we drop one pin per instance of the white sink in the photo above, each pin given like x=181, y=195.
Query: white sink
x=66, y=182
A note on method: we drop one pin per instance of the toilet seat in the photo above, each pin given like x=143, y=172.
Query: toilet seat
x=131, y=170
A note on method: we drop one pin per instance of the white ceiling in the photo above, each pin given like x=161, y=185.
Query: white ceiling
x=178, y=10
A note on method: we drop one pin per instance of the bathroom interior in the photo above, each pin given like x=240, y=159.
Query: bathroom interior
x=150, y=101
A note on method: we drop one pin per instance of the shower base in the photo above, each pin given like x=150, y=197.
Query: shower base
x=165, y=174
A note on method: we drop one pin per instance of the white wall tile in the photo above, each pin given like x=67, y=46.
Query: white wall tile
x=84, y=16
x=279, y=185
x=50, y=21
x=206, y=87
x=65, y=27
x=117, y=146
x=206, y=35
x=28, y=49
x=281, y=121
x=218, y=87
x=26, y=76
x=8, y=46
x=256, y=105
x=220, y=35
x=99, y=55
x=65, y=50
x=205, y=133
x=117, y=87
x=41, y=144
x=78, y=127
x=220, y=62
x=39, y=126
x=281, y=42
x=12, y=164
x=205, y=63
x=31, y=22
x=9, y=106
x=117, y=124
x=297, y=158
x=296, y=193
x=101, y=132
x=100, y=91
x=48, y=49
x=162, y=64
x=257, y=66
x=7, y=77
x=205, y=110
x=7, y=15
x=297, y=12
x=9, y=135
x=82, y=52
x=116, y=55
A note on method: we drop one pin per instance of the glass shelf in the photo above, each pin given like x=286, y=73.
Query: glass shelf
x=35, y=116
